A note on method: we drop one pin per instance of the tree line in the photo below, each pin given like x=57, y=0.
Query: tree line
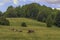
x=34, y=11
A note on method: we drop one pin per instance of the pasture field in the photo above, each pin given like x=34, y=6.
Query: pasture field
x=41, y=32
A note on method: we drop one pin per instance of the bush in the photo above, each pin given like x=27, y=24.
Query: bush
x=4, y=21
x=23, y=24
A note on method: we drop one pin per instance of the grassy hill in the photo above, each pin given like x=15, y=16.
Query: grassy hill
x=29, y=22
x=41, y=32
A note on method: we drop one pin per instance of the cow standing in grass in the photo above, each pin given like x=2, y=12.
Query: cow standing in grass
x=13, y=29
x=30, y=31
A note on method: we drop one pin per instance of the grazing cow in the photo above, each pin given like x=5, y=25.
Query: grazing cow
x=13, y=29
x=30, y=31
x=19, y=30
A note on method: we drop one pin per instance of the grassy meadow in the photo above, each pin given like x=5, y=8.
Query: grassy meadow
x=41, y=32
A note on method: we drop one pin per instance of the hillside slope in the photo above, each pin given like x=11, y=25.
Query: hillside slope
x=41, y=32
x=29, y=22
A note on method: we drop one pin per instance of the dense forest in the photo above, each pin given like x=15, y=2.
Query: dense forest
x=33, y=11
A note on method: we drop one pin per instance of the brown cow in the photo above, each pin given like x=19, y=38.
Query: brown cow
x=19, y=30
x=13, y=29
x=30, y=31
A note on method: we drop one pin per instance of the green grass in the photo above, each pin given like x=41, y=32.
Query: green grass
x=41, y=31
